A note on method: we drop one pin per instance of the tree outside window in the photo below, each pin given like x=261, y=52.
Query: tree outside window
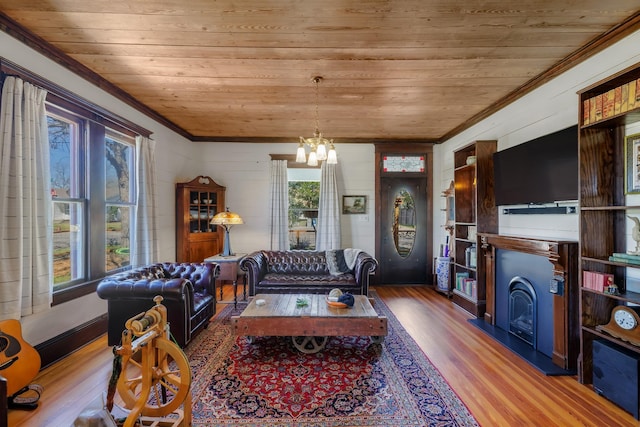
x=303, y=213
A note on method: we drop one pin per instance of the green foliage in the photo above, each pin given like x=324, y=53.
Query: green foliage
x=304, y=194
x=301, y=302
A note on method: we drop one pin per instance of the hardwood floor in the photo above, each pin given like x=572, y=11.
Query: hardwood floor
x=499, y=388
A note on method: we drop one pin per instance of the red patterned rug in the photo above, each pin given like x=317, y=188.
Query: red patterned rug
x=350, y=383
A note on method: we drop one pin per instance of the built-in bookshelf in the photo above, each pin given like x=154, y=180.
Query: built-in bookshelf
x=475, y=212
x=609, y=202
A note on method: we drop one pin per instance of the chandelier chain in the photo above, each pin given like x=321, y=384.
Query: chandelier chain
x=317, y=80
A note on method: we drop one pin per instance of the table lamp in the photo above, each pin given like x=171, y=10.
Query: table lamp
x=226, y=220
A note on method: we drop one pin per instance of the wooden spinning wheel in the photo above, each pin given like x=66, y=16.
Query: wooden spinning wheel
x=164, y=386
x=155, y=377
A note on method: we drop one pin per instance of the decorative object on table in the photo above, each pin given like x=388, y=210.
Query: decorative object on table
x=624, y=324
x=227, y=219
x=301, y=302
x=632, y=164
x=334, y=294
x=635, y=234
x=354, y=204
x=336, y=303
x=347, y=299
x=318, y=144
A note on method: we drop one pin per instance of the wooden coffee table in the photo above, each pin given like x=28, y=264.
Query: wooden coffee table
x=309, y=326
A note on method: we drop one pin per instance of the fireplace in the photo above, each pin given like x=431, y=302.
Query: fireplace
x=532, y=299
x=523, y=278
x=523, y=310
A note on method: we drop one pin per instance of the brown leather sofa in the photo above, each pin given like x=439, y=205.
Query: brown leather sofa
x=188, y=291
x=310, y=272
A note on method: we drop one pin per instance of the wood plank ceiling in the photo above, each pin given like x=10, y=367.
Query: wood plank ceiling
x=233, y=70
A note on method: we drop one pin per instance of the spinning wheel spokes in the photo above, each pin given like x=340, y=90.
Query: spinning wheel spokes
x=169, y=383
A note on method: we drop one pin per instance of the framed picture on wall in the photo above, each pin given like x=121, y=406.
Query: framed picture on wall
x=354, y=204
x=632, y=164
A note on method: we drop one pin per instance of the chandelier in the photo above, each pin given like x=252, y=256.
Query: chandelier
x=321, y=148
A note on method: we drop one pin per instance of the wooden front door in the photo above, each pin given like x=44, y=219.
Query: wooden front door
x=404, y=221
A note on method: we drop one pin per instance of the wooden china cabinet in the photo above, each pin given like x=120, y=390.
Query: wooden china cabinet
x=197, y=201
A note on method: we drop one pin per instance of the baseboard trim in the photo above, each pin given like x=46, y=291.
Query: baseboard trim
x=64, y=344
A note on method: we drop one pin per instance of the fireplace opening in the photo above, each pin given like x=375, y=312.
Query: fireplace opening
x=523, y=310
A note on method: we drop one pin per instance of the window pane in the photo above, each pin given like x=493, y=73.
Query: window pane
x=64, y=157
x=118, y=223
x=68, y=250
x=118, y=170
x=403, y=164
x=303, y=213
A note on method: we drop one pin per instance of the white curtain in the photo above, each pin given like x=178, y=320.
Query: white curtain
x=328, y=233
x=25, y=201
x=279, y=206
x=145, y=244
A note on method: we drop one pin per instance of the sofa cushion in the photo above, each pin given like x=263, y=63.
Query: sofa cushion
x=297, y=262
x=326, y=280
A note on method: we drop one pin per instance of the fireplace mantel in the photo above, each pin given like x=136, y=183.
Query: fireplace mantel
x=563, y=255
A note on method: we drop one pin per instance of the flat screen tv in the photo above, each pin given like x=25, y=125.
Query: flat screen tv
x=543, y=170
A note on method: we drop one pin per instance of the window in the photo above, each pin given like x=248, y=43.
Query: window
x=92, y=193
x=119, y=197
x=304, y=195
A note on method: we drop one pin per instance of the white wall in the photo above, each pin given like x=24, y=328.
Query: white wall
x=552, y=107
x=244, y=170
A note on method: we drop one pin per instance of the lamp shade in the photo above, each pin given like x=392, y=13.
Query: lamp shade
x=226, y=219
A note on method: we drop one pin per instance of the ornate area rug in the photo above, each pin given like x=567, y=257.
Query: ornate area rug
x=352, y=382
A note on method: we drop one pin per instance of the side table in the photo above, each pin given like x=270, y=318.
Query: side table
x=230, y=270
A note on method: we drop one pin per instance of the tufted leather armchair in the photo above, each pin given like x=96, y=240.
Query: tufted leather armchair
x=299, y=271
x=188, y=290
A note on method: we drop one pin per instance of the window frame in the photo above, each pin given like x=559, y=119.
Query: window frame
x=97, y=119
x=292, y=164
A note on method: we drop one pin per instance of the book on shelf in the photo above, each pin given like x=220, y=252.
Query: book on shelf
x=598, y=107
x=586, y=109
x=625, y=258
x=617, y=100
x=632, y=96
x=596, y=280
x=608, y=101
x=625, y=98
x=592, y=109
x=460, y=276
